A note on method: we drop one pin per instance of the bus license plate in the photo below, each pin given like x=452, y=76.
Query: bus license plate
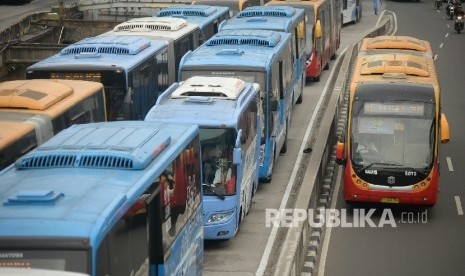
x=390, y=200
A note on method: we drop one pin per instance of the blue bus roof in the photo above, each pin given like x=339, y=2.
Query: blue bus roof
x=277, y=18
x=74, y=184
x=198, y=109
x=202, y=15
x=252, y=48
x=102, y=52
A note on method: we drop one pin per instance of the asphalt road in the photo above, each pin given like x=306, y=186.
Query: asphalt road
x=423, y=241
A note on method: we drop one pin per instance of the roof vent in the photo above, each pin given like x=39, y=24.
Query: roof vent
x=32, y=94
x=406, y=67
x=34, y=197
x=188, y=10
x=98, y=146
x=245, y=37
x=276, y=11
x=217, y=87
x=153, y=24
x=397, y=42
x=119, y=45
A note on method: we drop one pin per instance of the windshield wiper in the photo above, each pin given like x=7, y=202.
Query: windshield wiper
x=378, y=163
x=212, y=189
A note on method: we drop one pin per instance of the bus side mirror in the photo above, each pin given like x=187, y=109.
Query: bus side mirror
x=445, y=132
x=318, y=29
x=237, y=156
x=273, y=104
x=340, y=160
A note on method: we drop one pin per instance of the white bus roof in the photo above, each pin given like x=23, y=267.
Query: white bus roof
x=225, y=88
x=158, y=27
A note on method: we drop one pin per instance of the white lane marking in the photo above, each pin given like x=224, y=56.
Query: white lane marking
x=274, y=231
x=447, y=35
x=435, y=57
x=449, y=164
x=326, y=240
x=440, y=46
x=459, y=205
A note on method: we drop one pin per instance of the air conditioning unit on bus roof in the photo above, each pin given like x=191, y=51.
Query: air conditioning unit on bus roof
x=188, y=10
x=152, y=23
x=226, y=88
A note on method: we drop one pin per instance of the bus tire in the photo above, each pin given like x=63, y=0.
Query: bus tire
x=284, y=147
x=299, y=99
x=326, y=66
x=316, y=79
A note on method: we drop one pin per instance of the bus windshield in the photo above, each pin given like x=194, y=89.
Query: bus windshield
x=62, y=260
x=394, y=134
x=219, y=174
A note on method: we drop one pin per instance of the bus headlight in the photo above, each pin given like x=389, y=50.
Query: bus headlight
x=220, y=217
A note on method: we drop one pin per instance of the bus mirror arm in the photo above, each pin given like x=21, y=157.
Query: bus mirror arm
x=128, y=104
x=445, y=131
x=340, y=160
x=318, y=29
x=237, y=156
x=237, y=151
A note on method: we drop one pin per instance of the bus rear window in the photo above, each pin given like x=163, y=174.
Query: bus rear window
x=63, y=260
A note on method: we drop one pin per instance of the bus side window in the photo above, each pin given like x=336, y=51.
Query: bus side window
x=125, y=250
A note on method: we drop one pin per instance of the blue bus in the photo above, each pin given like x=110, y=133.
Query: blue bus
x=230, y=143
x=254, y=56
x=281, y=19
x=116, y=198
x=180, y=35
x=130, y=68
x=208, y=18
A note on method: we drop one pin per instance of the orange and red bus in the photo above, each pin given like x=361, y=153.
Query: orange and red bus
x=390, y=149
x=324, y=23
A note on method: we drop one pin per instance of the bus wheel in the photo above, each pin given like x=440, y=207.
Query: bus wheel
x=316, y=78
x=284, y=147
x=240, y=218
x=326, y=66
x=299, y=99
x=333, y=57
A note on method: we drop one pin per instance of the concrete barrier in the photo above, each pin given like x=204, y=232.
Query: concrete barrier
x=293, y=252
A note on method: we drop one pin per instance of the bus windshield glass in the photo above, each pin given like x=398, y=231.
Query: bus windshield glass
x=63, y=260
x=219, y=174
x=394, y=134
x=251, y=76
